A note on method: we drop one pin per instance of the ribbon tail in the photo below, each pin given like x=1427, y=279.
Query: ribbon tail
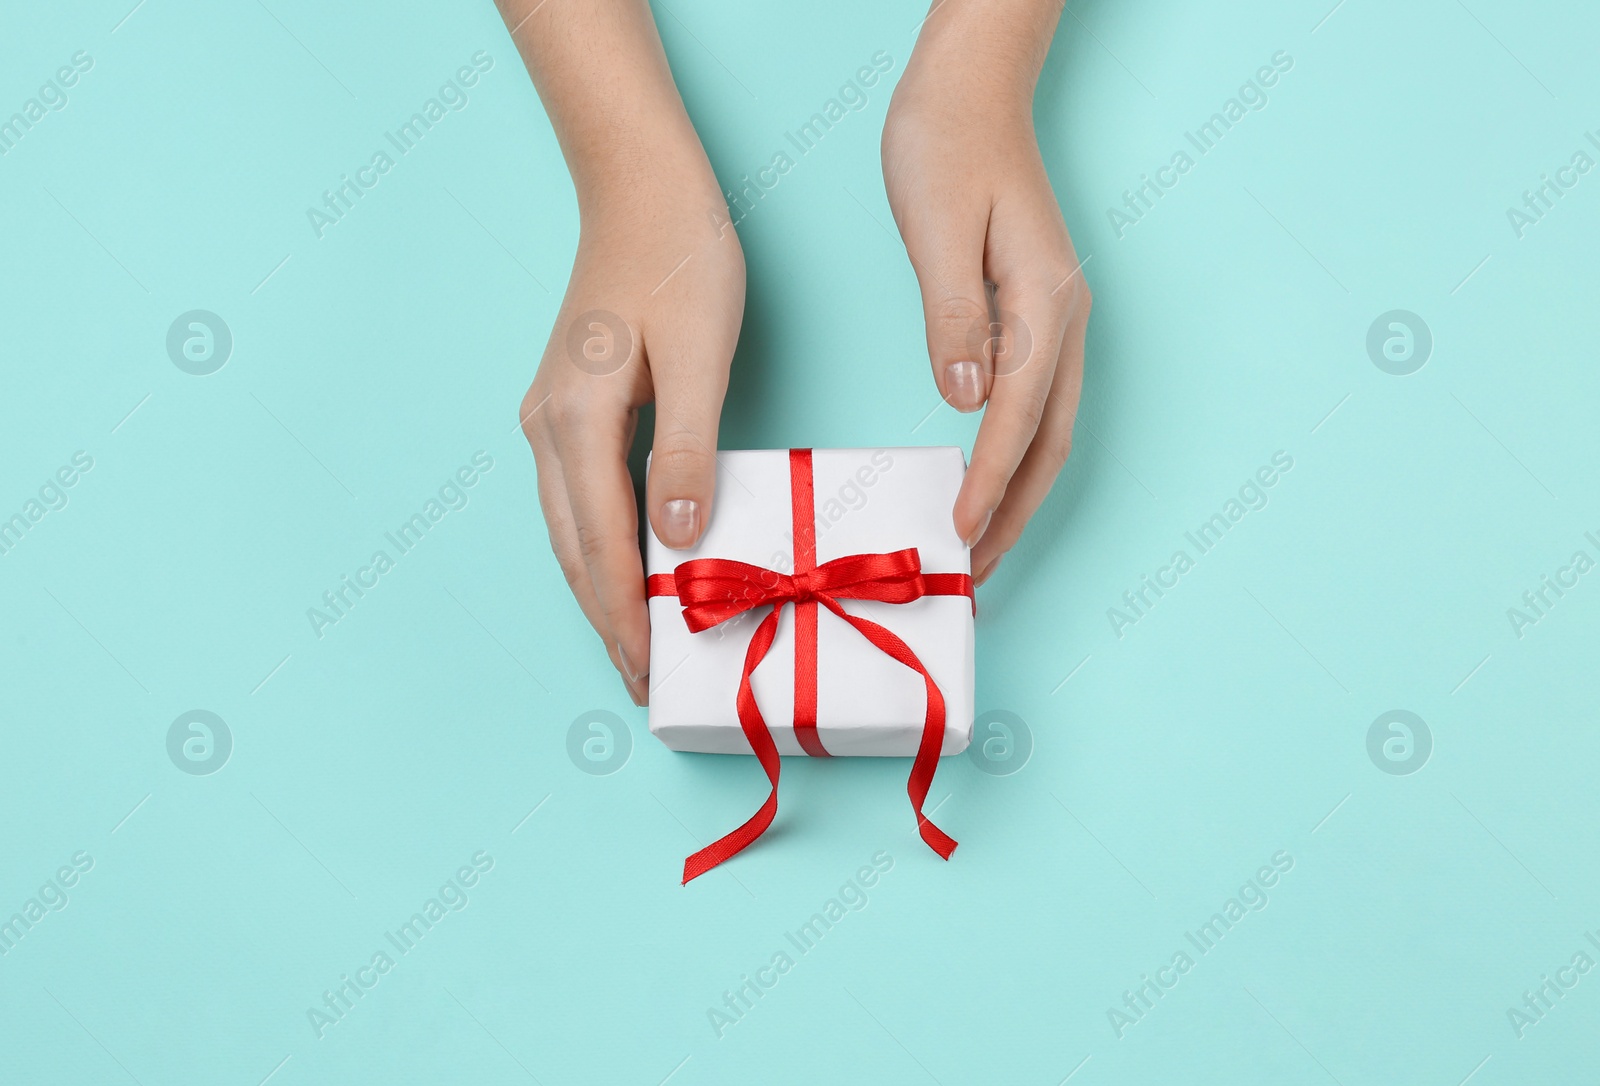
x=766, y=752
x=926, y=762
x=923, y=768
x=726, y=848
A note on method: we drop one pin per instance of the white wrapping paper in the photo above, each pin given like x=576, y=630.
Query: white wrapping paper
x=868, y=501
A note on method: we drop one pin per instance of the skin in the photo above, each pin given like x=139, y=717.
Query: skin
x=654, y=305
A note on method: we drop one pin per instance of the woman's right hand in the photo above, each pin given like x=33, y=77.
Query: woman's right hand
x=652, y=312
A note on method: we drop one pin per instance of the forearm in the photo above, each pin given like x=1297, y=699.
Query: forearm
x=600, y=70
x=995, y=48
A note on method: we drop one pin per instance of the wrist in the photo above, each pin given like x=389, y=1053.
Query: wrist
x=989, y=53
x=646, y=181
x=638, y=154
x=643, y=207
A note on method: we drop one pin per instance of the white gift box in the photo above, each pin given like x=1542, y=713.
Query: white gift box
x=866, y=501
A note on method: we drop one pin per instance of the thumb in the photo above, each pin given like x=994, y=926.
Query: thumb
x=947, y=255
x=683, y=460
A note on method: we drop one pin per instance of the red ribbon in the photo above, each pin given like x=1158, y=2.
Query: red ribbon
x=713, y=590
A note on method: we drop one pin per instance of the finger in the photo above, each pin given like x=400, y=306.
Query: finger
x=947, y=254
x=690, y=368
x=557, y=507
x=1042, y=463
x=985, y=572
x=593, y=446
x=1031, y=325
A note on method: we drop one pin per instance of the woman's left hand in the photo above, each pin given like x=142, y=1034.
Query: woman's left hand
x=974, y=206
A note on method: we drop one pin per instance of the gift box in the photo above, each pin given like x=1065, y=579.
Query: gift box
x=826, y=611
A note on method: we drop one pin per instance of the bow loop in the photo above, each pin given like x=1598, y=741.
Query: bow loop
x=895, y=577
x=713, y=590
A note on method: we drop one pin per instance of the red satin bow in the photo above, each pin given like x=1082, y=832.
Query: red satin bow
x=713, y=590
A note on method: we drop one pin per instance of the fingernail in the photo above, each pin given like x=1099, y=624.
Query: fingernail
x=680, y=523
x=988, y=571
x=629, y=668
x=964, y=380
x=638, y=699
x=983, y=526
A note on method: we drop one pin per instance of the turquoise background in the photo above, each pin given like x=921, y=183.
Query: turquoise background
x=1165, y=766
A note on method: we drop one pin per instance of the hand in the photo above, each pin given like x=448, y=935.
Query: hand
x=973, y=203
x=652, y=312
